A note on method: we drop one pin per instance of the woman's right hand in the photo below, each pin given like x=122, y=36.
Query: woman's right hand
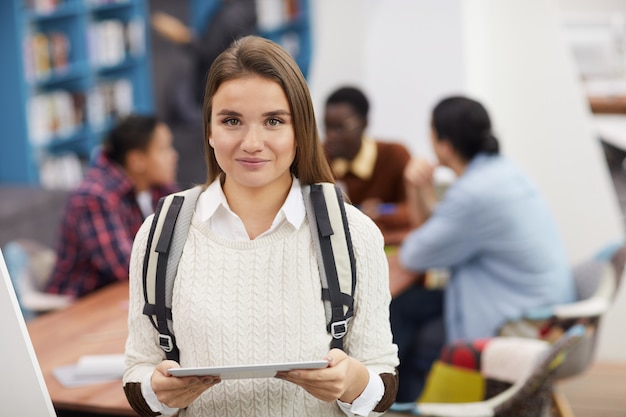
x=420, y=190
x=419, y=173
x=178, y=392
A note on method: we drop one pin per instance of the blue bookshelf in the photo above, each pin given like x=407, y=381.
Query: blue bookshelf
x=74, y=67
x=286, y=22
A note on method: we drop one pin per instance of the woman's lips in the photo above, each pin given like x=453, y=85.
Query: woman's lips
x=251, y=162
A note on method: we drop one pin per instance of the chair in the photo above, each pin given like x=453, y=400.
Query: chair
x=29, y=265
x=597, y=281
x=513, y=401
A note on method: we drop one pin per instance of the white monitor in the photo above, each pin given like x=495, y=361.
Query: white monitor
x=23, y=390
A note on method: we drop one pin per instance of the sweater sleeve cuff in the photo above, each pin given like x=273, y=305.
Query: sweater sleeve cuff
x=391, y=390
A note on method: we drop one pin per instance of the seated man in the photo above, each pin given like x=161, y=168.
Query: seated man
x=136, y=167
x=492, y=230
x=370, y=171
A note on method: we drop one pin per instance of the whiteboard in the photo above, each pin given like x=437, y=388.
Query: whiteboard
x=23, y=390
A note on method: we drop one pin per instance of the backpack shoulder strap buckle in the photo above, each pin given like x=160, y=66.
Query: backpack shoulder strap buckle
x=339, y=329
x=166, y=342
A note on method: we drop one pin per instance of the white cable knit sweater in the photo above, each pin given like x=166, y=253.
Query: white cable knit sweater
x=259, y=301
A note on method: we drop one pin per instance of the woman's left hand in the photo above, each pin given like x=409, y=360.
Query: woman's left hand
x=344, y=379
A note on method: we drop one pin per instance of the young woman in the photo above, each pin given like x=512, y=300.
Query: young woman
x=136, y=167
x=248, y=285
x=492, y=230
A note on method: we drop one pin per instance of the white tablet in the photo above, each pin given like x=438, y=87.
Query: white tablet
x=247, y=371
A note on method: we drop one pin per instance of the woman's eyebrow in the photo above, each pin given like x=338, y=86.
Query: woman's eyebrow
x=276, y=113
x=226, y=112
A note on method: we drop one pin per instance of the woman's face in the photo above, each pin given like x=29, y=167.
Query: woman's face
x=252, y=133
x=160, y=159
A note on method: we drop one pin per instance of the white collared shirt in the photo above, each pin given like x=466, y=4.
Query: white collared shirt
x=213, y=208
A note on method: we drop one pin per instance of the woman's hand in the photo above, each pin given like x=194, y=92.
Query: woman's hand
x=420, y=190
x=171, y=28
x=178, y=392
x=419, y=173
x=344, y=379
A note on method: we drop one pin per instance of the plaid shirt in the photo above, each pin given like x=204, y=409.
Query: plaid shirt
x=99, y=224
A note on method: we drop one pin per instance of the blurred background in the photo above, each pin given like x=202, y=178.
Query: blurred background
x=552, y=74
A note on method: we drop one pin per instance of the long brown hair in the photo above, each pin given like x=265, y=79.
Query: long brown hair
x=253, y=55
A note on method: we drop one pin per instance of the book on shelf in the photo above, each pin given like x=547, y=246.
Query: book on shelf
x=59, y=50
x=279, y=16
x=112, y=41
x=61, y=171
x=45, y=53
x=43, y=6
x=292, y=8
x=273, y=14
x=104, y=2
x=136, y=37
x=109, y=101
x=54, y=115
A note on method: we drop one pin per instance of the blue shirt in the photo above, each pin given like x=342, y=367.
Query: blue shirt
x=496, y=235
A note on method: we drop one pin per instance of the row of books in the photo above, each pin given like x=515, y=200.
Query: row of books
x=43, y=6
x=101, y=2
x=109, y=101
x=110, y=42
x=57, y=115
x=49, y=6
x=61, y=172
x=53, y=115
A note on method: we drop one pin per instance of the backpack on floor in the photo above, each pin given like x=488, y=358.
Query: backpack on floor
x=331, y=236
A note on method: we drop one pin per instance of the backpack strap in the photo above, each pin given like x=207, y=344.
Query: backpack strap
x=170, y=225
x=163, y=252
x=335, y=255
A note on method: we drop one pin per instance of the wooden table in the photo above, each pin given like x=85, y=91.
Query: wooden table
x=95, y=324
x=608, y=104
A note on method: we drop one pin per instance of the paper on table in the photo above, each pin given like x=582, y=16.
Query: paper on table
x=91, y=369
x=101, y=365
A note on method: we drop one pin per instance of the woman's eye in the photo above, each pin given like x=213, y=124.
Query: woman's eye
x=274, y=122
x=231, y=122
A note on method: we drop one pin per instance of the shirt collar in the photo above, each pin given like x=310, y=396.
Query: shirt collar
x=213, y=207
x=293, y=208
x=363, y=163
x=478, y=160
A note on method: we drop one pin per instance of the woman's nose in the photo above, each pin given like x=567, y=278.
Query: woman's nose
x=253, y=140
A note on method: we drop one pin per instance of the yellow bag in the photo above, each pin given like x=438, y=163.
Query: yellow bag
x=451, y=384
